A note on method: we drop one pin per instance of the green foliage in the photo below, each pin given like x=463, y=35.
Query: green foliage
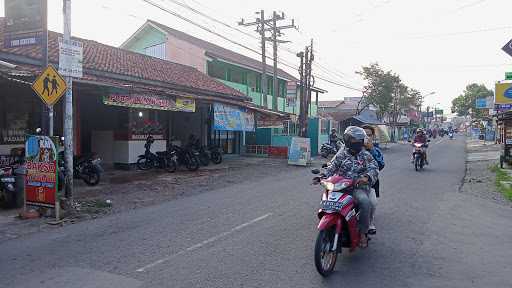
x=466, y=102
x=386, y=91
x=502, y=176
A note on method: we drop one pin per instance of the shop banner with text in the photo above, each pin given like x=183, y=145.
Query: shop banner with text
x=150, y=101
x=42, y=171
x=232, y=118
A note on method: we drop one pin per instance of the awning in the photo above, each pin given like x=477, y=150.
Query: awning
x=368, y=117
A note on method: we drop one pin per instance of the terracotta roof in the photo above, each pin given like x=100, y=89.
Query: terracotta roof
x=104, y=58
x=223, y=53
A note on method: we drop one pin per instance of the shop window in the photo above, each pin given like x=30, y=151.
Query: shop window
x=237, y=76
x=19, y=115
x=216, y=71
x=290, y=128
x=157, y=51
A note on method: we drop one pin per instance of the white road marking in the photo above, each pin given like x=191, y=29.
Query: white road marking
x=201, y=244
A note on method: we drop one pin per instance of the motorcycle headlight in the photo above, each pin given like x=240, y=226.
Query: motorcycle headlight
x=10, y=187
x=335, y=187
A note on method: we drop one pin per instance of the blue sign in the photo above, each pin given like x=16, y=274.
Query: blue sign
x=24, y=39
x=508, y=93
x=232, y=118
x=481, y=103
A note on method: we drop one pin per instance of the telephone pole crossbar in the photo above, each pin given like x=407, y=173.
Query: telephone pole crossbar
x=269, y=25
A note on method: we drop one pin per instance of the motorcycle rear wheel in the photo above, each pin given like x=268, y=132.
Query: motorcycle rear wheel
x=417, y=163
x=325, y=260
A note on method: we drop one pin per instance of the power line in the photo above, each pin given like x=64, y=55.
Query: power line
x=459, y=33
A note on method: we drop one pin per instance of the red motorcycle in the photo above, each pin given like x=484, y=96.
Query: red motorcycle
x=338, y=216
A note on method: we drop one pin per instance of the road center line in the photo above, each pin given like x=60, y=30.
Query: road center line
x=207, y=241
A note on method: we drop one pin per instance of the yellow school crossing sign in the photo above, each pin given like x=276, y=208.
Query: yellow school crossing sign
x=49, y=86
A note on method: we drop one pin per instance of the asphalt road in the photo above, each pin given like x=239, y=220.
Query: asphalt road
x=262, y=234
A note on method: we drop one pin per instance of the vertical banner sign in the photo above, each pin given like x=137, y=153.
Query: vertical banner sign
x=299, y=152
x=42, y=168
x=291, y=93
x=70, y=58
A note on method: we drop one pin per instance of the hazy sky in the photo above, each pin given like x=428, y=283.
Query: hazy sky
x=435, y=45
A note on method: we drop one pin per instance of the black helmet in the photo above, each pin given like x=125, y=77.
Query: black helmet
x=354, y=133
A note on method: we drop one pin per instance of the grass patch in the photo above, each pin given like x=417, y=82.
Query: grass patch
x=502, y=176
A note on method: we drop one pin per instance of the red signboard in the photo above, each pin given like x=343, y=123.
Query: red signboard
x=41, y=164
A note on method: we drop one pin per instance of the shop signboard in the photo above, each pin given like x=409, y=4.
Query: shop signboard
x=299, y=152
x=503, y=93
x=42, y=171
x=291, y=93
x=23, y=22
x=150, y=101
x=232, y=118
x=186, y=104
x=481, y=103
x=508, y=75
x=70, y=58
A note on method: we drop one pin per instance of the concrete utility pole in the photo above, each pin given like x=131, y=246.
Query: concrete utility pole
x=306, y=60
x=270, y=25
x=47, y=115
x=68, y=113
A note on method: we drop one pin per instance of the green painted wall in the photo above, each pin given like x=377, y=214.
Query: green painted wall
x=264, y=136
x=149, y=37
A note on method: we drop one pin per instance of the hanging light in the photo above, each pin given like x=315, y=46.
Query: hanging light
x=140, y=114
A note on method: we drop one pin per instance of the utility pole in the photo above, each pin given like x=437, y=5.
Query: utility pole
x=270, y=25
x=47, y=115
x=306, y=60
x=68, y=113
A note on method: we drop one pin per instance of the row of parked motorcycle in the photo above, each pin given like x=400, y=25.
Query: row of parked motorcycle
x=191, y=156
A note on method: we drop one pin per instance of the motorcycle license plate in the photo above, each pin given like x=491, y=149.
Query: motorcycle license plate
x=331, y=205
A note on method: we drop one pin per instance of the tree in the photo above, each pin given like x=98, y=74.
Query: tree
x=379, y=90
x=466, y=102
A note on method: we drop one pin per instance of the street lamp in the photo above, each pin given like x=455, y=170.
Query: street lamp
x=421, y=105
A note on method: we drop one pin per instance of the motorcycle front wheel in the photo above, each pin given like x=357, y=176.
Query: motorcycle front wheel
x=192, y=163
x=204, y=159
x=144, y=163
x=325, y=259
x=91, y=178
x=216, y=157
x=417, y=163
x=171, y=165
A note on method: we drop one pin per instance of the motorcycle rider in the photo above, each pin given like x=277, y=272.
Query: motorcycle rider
x=333, y=139
x=421, y=138
x=374, y=192
x=357, y=163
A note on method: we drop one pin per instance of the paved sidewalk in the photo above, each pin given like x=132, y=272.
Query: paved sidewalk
x=480, y=181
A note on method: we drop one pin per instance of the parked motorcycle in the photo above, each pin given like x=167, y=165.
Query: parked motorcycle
x=204, y=154
x=338, y=216
x=184, y=156
x=85, y=167
x=162, y=160
x=419, y=155
x=7, y=187
x=450, y=134
x=328, y=149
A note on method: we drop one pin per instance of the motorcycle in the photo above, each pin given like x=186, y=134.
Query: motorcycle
x=7, y=187
x=328, y=149
x=184, y=156
x=204, y=154
x=450, y=135
x=149, y=160
x=85, y=167
x=418, y=155
x=338, y=227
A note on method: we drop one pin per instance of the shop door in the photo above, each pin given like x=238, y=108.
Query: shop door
x=228, y=141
